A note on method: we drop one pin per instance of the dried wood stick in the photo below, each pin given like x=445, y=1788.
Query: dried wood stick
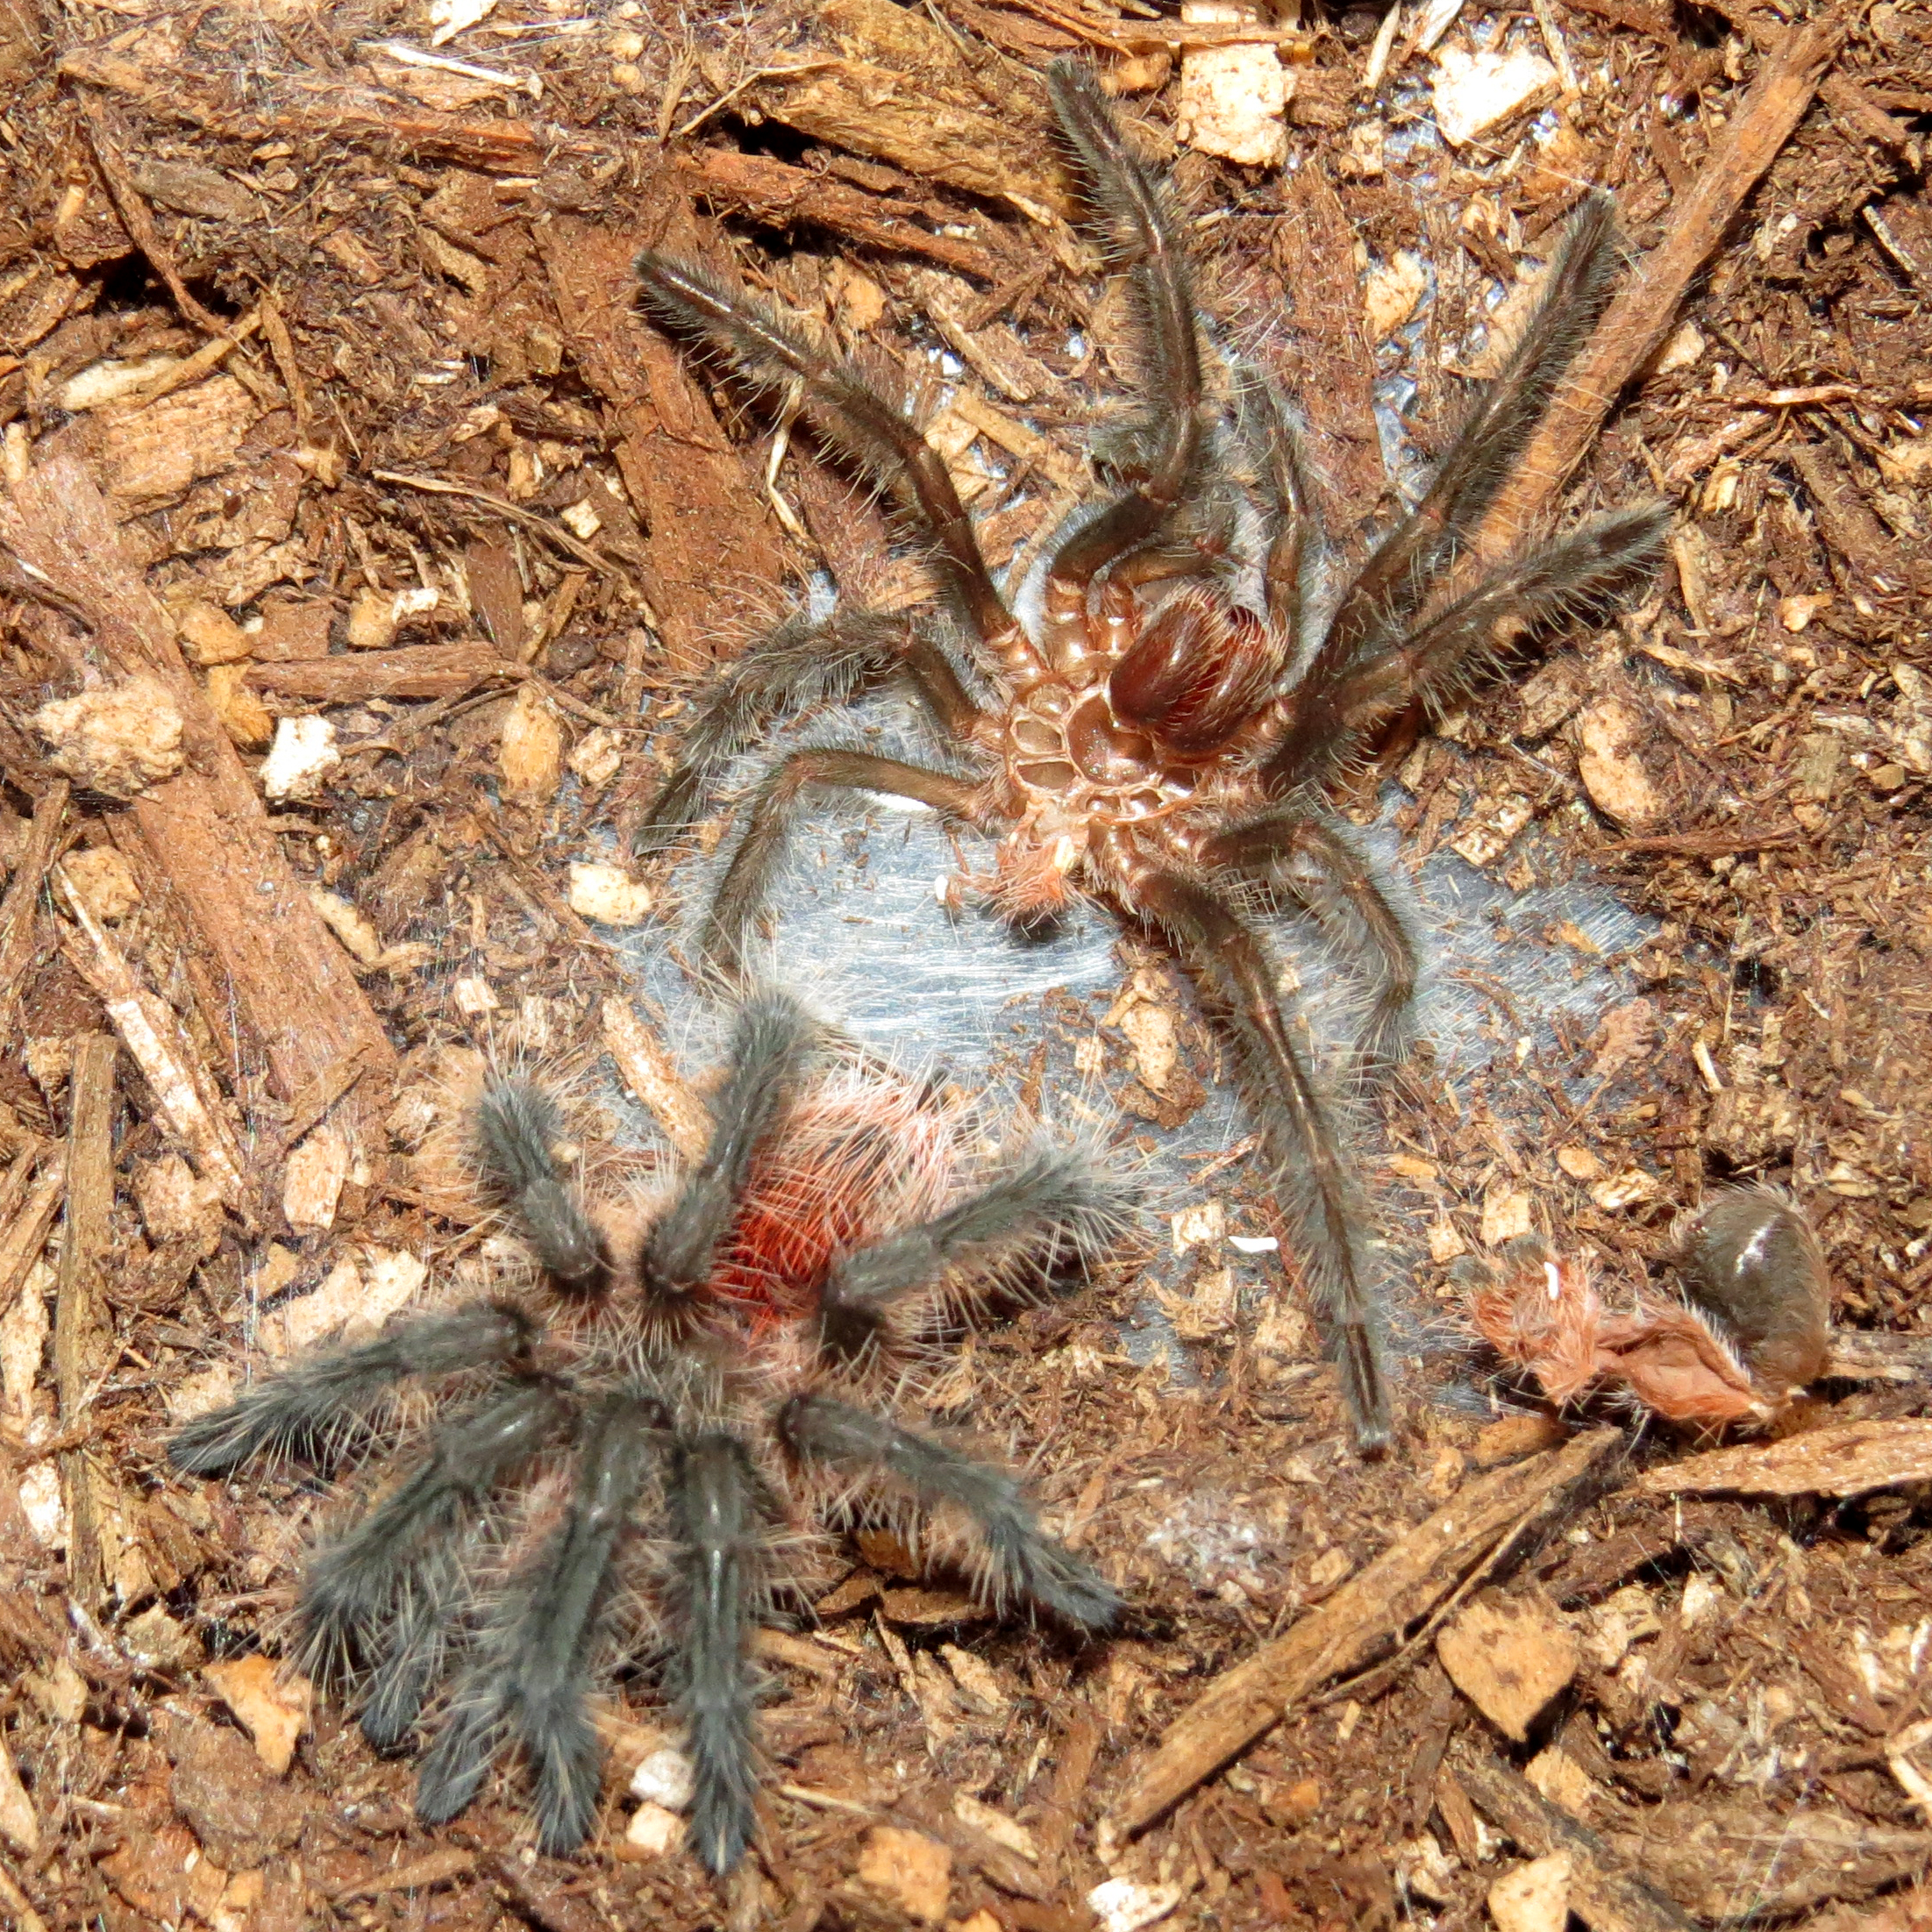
x=188, y=1103
x=1605, y=1895
x=1640, y=318
x=17, y=910
x=1364, y=1618
x=25, y=1222
x=206, y=829
x=85, y=1243
x=652, y=1075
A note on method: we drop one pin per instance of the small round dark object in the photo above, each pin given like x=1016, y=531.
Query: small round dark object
x=571, y=654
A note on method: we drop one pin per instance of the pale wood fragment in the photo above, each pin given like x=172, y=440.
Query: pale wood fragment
x=1847, y=1460
x=1366, y=1616
x=652, y=1075
x=184, y=1091
x=77, y=1315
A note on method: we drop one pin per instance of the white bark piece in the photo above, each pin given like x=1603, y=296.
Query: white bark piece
x=1533, y=1898
x=104, y=881
x=376, y=616
x=118, y=740
x=272, y=1708
x=1122, y=1904
x=1509, y=1656
x=1611, y=772
x=596, y=756
x=609, y=895
x=314, y=1177
x=1232, y=98
x=302, y=759
x=348, y=924
x=363, y=1297
x=648, y=1069
x=450, y=18
x=531, y=750
x=175, y=1204
x=210, y=636
x=1392, y=290
x=912, y=1870
x=1475, y=92
x=652, y=1831
x=664, y=1777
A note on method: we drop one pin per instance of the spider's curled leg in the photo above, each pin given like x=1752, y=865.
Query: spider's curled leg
x=1328, y=876
x=1408, y=561
x=778, y=353
x=769, y=821
x=1299, y=1124
x=1019, y=1561
x=1166, y=440
x=327, y=1396
x=1288, y=500
x=802, y=666
x=533, y=1676
x=1054, y=1205
x=518, y=1127
x=389, y=1590
x=718, y=1524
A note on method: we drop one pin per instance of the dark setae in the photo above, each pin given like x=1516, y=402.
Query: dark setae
x=1154, y=717
x=614, y=1466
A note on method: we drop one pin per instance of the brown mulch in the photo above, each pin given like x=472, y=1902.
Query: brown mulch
x=323, y=398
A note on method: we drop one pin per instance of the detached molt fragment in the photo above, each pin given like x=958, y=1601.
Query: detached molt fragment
x=1752, y=1332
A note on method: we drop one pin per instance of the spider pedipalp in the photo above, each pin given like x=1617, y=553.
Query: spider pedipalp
x=1153, y=717
x=607, y=1470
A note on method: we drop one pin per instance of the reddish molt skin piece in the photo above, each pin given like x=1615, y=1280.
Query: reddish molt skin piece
x=1155, y=724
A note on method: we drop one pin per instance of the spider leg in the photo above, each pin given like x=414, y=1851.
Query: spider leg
x=1306, y=1140
x=306, y=1411
x=718, y=1520
x=533, y=1677
x=1166, y=442
x=1397, y=579
x=389, y=1587
x=777, y=353
x=1583, y=574
x=517, y=1127
x=1019, y=1561
x=770, y=1046
x=776, y=805
x=1328, y=877
x=802, y=666
x=1053, y=1204
x=1288, y=498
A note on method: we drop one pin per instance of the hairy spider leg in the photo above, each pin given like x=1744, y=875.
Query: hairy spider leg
x=803, y=665
x=774, y=352
x=388, y=1592
x=1370, y=623
x=718, y=1520
x=1282, y=487
x=1305, y=1140
x=772, y=1041
x=777, y=803
x=1327, y=875
x=1017, y=1560
x=518, y=1127
x=1166, y=442
x=1052, y=1204
x=532, y=1675
x=311, y=1409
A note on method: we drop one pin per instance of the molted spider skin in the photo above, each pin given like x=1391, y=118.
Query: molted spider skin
x=611, y=1466
x=1752, y=1259
x=1151, y=719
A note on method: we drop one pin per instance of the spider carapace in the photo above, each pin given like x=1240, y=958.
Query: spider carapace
x=1153, y=716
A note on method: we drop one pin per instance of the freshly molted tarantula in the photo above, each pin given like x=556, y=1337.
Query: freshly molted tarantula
x=607, y=1467
x=1153, y=717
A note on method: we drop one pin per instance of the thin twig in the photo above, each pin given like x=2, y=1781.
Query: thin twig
x=542, y=525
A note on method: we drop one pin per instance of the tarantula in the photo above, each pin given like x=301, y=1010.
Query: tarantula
x=693, y=1385
x=1153, y=717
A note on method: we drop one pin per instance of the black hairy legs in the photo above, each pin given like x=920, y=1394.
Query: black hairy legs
x=1156, y=714
x=612, y=1467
